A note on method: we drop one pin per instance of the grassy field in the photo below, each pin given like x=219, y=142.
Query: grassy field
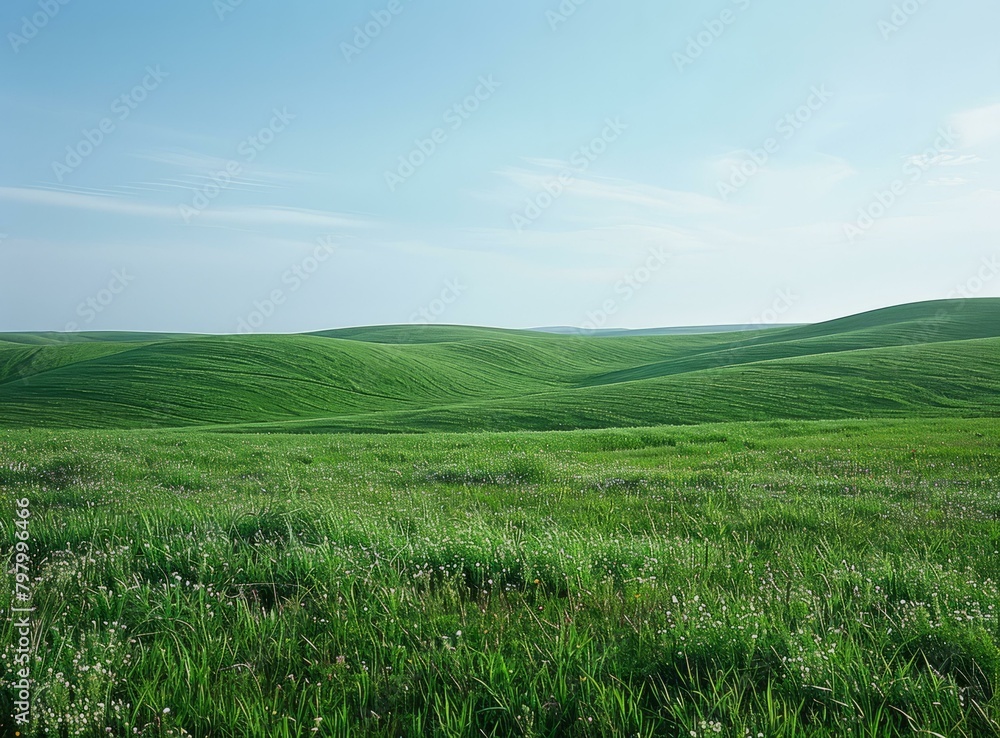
x=775, y=533
x=756, y=579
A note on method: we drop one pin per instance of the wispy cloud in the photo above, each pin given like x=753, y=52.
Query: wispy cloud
x=199, y=166
x=947, y=182
x=52, y=197
x=609, y=190
x=235, y=216
x=978, y=126
x=675, y=202
x=945, y=159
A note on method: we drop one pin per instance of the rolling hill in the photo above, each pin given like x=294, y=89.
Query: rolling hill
x=927, y=359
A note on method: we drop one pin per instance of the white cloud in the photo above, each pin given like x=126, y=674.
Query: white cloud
x=611, y=190
x=273, y=215
x=947, y=182
x=811, y=177
x=289, y=216
x=657, y=198
x=944, y=159
x=193, y=170
x=73, y=199
x=978, y=126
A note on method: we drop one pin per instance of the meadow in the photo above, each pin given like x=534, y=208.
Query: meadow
x=769, y=579
x=456, y=531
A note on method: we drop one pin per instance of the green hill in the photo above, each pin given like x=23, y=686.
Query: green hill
x=960, y=379
x=928, y=359
x=49, y=338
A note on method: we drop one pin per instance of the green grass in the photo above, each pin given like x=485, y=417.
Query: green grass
x=929, y=359
x=784, y=579
x=939, y=380
x=788, y=533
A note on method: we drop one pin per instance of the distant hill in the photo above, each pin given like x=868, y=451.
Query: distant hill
x=681, y=331
x=927, y=359
x=51, y=338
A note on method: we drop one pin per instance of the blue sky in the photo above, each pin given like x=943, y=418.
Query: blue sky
x=221, y=166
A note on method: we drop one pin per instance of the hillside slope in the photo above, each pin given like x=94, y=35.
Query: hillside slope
x=960, y=379
x=940, y=358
